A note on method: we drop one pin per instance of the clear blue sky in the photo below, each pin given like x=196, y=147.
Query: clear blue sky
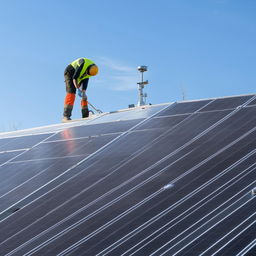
x=204, y=48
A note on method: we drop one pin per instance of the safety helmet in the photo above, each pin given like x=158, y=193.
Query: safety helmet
x=93, y=70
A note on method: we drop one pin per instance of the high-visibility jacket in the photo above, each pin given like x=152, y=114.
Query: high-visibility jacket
x=86, y=63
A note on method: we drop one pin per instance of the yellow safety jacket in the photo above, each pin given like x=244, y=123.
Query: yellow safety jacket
x=83, y=75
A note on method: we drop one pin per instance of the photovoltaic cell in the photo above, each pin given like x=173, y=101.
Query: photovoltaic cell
x=163, y=122
x=95, y=129
x=226, y=103
x=184, y=108
x=83, y=146
x=22, y=179
x=5, y=156
x=23, y=142
x=252, y=103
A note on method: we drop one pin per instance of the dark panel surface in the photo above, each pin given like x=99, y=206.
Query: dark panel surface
x=5, y=156
x=155, y=206
x=226, y=103
x=184, y=108
x=164, y=123
x=21, y=180
x=66, y=148
x=253, y=102
x=22, y=142
x=96, y=129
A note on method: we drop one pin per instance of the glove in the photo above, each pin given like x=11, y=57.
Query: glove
x=80, y=94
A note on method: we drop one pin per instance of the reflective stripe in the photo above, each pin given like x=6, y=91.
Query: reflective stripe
x=84, y=103
x=70, y=99
x=75, y=64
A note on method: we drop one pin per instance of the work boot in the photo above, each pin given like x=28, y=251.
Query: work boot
x=85, y=112
x=66, y=119
x=67, y=111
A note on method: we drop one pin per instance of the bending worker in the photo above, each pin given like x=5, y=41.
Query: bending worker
x=76, y=78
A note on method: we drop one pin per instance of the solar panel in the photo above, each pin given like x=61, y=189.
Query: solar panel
x=172, y=179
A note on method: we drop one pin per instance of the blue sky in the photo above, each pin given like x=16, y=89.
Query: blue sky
x=196, y=48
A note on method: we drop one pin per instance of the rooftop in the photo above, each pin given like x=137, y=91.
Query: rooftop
x=168, y=179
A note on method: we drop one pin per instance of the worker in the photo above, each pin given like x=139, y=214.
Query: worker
x=76, y=77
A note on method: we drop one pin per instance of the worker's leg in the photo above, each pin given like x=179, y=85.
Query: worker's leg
x=71, y=94
x=84, y=102
x=84, y=106
x=68, y=104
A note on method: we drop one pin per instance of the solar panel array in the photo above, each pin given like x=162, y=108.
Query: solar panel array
x=170, y=179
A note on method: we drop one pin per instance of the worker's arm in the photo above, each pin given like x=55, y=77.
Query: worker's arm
x=84, y=84
x=82, y=88
x=77, y=73
x=75, y=83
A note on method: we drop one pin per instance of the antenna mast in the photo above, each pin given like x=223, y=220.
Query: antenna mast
x=142, y=96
